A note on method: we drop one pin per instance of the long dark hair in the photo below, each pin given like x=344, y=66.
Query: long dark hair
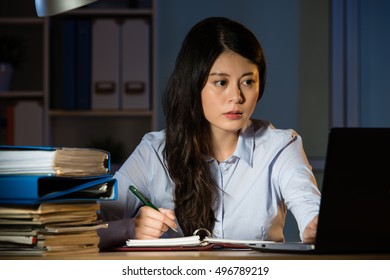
x=188, y=138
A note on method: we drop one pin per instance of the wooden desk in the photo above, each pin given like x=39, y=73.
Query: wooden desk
x=207, y=255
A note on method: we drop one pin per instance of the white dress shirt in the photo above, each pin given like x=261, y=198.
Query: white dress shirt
x=267, y=172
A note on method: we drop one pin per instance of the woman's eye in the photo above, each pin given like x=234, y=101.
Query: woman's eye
x=248, y=82
x=220, y=83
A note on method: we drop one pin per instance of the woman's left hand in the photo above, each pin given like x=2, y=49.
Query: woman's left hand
x=309, y=235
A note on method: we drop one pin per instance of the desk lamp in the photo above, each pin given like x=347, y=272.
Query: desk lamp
x=47, y=8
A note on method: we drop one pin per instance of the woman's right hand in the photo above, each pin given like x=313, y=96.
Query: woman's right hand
x=151, y=224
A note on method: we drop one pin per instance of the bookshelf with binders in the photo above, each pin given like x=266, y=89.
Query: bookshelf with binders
x=102, y=76
x=65, y=83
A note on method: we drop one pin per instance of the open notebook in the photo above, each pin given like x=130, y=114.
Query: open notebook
x=201, y=240
x=355, y=203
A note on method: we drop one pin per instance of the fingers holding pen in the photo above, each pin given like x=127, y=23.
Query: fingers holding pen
x=169, y=219
x=148, y=224
x=151, y=224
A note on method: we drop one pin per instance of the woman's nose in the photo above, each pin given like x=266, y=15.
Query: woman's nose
x=236, y=95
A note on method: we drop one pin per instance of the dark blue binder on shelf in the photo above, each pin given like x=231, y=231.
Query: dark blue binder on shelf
x=68, y=65
x=83, y=65
x=64, y=35
x=37, y=189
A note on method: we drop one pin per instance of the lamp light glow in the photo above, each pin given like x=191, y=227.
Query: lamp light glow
x=46, y=8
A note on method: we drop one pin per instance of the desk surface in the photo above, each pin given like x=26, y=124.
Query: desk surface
x=207, y=255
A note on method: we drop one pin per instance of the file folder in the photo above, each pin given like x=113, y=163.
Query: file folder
x=135, y=89
x=105, y=64
x=28, y=123
x=18, y=160
x=35, y=189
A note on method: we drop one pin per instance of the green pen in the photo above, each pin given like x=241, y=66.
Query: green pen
x=141, y=197
x=144, y=200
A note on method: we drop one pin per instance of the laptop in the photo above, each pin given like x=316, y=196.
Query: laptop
x=355, y=203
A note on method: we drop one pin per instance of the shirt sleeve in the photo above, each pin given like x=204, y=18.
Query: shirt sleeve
x=297, y=183
x=116, y=234
x=119, y=213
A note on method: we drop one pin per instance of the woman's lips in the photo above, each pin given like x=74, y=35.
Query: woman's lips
x=233, y=115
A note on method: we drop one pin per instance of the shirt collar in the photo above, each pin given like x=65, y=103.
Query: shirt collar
x=246, y=144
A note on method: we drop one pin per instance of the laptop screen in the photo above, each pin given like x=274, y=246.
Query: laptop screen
x=355, y=205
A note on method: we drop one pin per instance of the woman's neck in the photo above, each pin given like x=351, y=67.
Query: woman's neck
x=224, y=145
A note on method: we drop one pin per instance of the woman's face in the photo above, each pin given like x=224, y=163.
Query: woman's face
x=231, y=92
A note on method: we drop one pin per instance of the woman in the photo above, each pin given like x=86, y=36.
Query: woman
x=214, y=167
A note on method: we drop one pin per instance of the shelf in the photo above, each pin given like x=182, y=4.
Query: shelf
x=101, y=113
x=110, y=12
x=17, y=20
x=21, y=95
x=35, y=81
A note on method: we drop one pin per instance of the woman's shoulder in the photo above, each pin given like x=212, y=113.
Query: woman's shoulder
x=151, y=144
x=265, y=129
x=154, y=136
x=154, y=139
